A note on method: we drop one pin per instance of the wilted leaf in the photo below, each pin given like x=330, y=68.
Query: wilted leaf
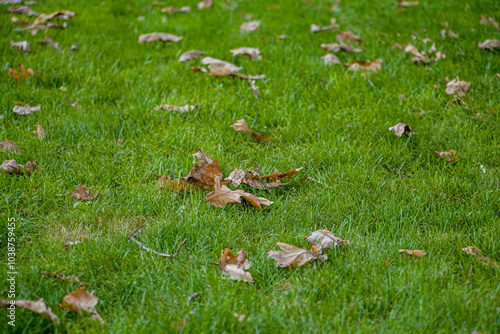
x=205, y=172
x=250, y=26
x=158, y=36
x=40, y=132
x=24, y=75
x=408, y=3
x=81, y=300
x=23, y=10
x=25, y=109
x=235, y=178
x=225, y=72
x=82, y=193
x=489, y=44
x=48, y=41
x=205, y=4
x=330, y=59
x=324, y=239
x=11, y=167
x=317, y=28
x=477, y=253
x=172, y=10
x=293, y=257
x=447, y=155
x=10, y=146
x=401, y=128
x=340, y=47
x=39, y=307
x=490, y=21
x=241, y=125
x=373, y=66
x=222, y=195
x=455, y=86
x=169, y=107
x=62, y=15
x=253, y=53
x=349, y=37
x=276, y=175
x=415, y=253
x=235, y=266
x=23, y=46
x=215, y=63
x=190, y=55
x=165, y=182
x=73, y=279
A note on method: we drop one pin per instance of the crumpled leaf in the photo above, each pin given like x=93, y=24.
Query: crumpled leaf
x=10, y=146
x=373, y=66
x=455, y=86
x=173, y=10
x=23, y=10
x=324, y=239
x=487, y=44
x=235, y=266
x=407, y=3
x=205, y=4
x=412, y=253
x=348, y=36
x=165, y=182
x=81, y=301
x=82, y=193
x=205, y=172
x=169, y=107
x=48, y=41
x=241, y=125
x=24, y=75
x=23, y=46
x=293, y=257
x=447, y=155
x=159, y=36
x=340, y=47
x=235, y=178
x=489, y=21
x=26, y=109
x=190, y=55
x=39, y=307
x=477, y=253
x=276, y=175
x=401, y=128
x=73, y=279
x=40, y=132
x=251, y=179
x=317, y=28
x=330, y=59
x=214, y=63
x=225, y=72
x=11, y=167
x=62, y=15
x=222, y=195
x=250, y=26
x=252, y=53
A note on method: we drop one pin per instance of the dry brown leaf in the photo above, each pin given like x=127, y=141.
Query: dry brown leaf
x=73, y=279
x=48, y=41
x=489, y=44
x=408, y=3
x=324, y=239
x=159, y=36
x=196, y=69
x=40, y=132
x=489, y=21
x=330, y=59
x=39, y=307
x=214, y=63
x=205, y=4
x=62, y=15
x=477, y=253
x=82, y=193
x=222, y=195
x=373, y=66
x=241, y=125
x=250, y=26
x=426, y=40
x=397, y=46
x=447, y=155
x=317, y=28
x=340, y=47
x=252, y=53
x=276, y=175
x=235, y=266
x=401, y=128
x=81, y=300
x=11, y=167
x=293, y=257
x=455, y=86
x=169, y=107
x=7, y=145
x=165, y=182
x=412, y=253
x=225, y=72
x=173, y=10
x=235, y=178
x=349, y=37
x=23, y=10
x=24, y=73
x=205, y=172
x=190, y=55
x=23, y=46
x=25, y=109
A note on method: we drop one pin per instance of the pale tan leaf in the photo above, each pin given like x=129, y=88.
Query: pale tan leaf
x=292, y=256
x=324, y=239
x=471, y=250
x=203, y=158
x=455, y=86
x=7, y=145
x=26, y=109
x=39, y=307
x=401, y=128
x=408, y=3
x=489, y=44
x=449, y=156
x=330, y=59
x=214, y=63
x=412, y=253
x=190, y=55
x=23, y=10
x=181, y=109
x=348, y=36
x=235, y=266
x=252, y=53
x=172, y=10
x=250, y=26
x=62, y=15
x=23, y=46
x=158, y=36
x=373, y=66
x=235, y=178
x=241, y=125
x=40, y=132
x=205, y=4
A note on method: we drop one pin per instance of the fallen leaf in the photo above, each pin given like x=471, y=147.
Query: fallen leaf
x=456, y=86
x=225, y=72
x=71, y=244
x=82, y=193
x=489, y=44
x=119, y=142
x=25, y=109
x=196, y=69
x=10, y=146
x=447, y=155
x=324, y=239
x=190, y=55
x=252, y=53
x=397, y=46
x=165, y=182
x=39, y=307
x=330, y=59
x=348, y=36
x=281, y=37
x=205, y=4
x=40, y=132
x=317, y=28
x=426, y=40
x=215, y=63
x=408, y=3
x=172, y=10
x=73, y=279
x=250, y=26
x=24, y=75
x=81, y=301
x=23, y=10
x=205, y=172
x=241, y=125
x=158, y=36
x=415, y=253
x=11, y=167
x=276, y=175
x=236, y=177
x=401, y=128
x=241, y=317
x=235, y=266
x=471, y=250
x=340, y=47
x=62, y=15
x=23, y=46
x=48, y=41
x=183, y=109
x=293, y=257
x=373, y=66
x=490, y=21
x=452, y=34
x=222, y=195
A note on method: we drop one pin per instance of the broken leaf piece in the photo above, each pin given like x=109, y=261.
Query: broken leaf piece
x=340, y=47
x=477, y=253
x=276, y=175
x=39, y=307
x=373, y=66
x=293, y=257
x=82, y=193
x=235, y=266
x=40, y=132
x=24, y=75
x=10, y=146
x=172, y=10
x=165, y=182
x=205, y=172
x=81, y=300
x=225, y=72
x=455, y=86
x=214, y=63
x=235, y=178
x=250, y=26
x=25, y=109
x=73, y=279
x=23, y=46
x=415, y=253
x=407, y=3
x=330, y=59
x=23, y=10
x=348, y=36
x=447, y=155
x=324, y=239
x=317, y=28
x=252, y=53
x=62, y=15
x=169, y=107
x=401, y=128
x=158, y=36
x=487, y=44
x=190, y=55
x=48, y=41
x=489, y=21
x=241, y=125
x=11, y=167
x=222, y=195
x=205, y=4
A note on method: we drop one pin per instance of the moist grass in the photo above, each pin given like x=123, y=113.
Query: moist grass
x=327, y=119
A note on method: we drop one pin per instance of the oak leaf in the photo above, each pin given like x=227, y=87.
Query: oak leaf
x=39, y=307
x=252, y=53
x=401, y=128
x=324, y=239
x=471, y=250
x=8, y=145
x=489, y=44
x=25, y=109
x=81, y=301
x=23, y=46
x=241, y=125
x=40, y=132
x=373, y=66
x=159, y=36
x=205, y=4
x=235, y=266
x=455, y=86
x=250, y=26
x=82, y=193
x=415, y=253
x=330, y=59
x=190, y=55
x=293, y=257
x=447, y=155
x=182, y=109
x=205, y=172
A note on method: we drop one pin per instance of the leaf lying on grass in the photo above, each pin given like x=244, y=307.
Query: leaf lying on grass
x=82, y=193
x=40, y=132
x=348, y=36
x=23, y=10
x=477, y=253
x=241, y=125
x=165, y=182
x=373, y=66
x=182, y=109
x=412, y=253
x=455, y=86
x=62, y=15
x=489, y=21
x=489, y=44
x=7, y=145
x=252, y=179
x=23, y=75
x=235, y=266
x=401, y=128
x=447, y=155
x=222, y=195
x=340, y=47
x=73, y=279
x=204, y=173
x=225, y=72
x=205, y=4
x=330, y=59
x=173, y=10
x=11, y=167
x=71, y=244
x=190, y=55
x=23, y=46
x=292, y=257
x=158, y=36
x=324, y=239
x=250, y=26
x=214, y=63
x=39, y=307
x=25, y=109
x=317, y=28
x=48, y=41
x=252, y=53
x=81, y=301
x=408, y=3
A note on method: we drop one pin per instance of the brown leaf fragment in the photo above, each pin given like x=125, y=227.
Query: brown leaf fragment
x=214, y=63
x=330, y=59
x=317, y=28
x=11, y=167
x=25, y=109
x=196, y=69
x=23, y=46
x=225, y=72
x=39, y=307
x=324, y=239
x=48, y=41
x=169, y=107
x=81, y=301
x=23, y=74
x=455, y=86
x=222, y=195
x=293, y=257
x=82, y=193
x=235, y=266
x=173, y=10
x=30, y=167
x=397, y=46
x=235, y=178
x=340, y=47
x=203, y=158
x=241, y=125
x=407, y=3
x=489, y=44
x=73, y=279
x=401, y=128
x=64, y=15
x=373, y=66
x=190, y=55
x=447, y=155
x=159, y=36
x=276, y=175
x=250, y=26
x=489, y=21
x=23, y=10
x=412, y=253
x=165, y=182
x=471, y=250
x=348, y=36
x=452, y=34
x=7, y=145
x=205, y=4
x=40, y=132
x=252, y=53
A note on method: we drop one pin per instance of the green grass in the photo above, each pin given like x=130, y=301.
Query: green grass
x=327, y=119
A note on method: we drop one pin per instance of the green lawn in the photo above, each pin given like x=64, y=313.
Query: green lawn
x=327, y=119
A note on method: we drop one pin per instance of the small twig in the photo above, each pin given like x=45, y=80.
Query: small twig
x=132, y=237
x=260, y=178
x=190, y=298
x=390, y=171
x=323, y=184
